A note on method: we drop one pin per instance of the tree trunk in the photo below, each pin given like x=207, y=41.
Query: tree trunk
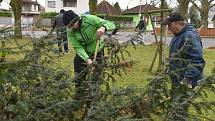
x=17, y=9
x=204, y=9
x=204, y=12
x=92, y=6
x=183, y=7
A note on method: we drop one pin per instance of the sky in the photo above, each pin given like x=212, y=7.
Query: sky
x=123, y=3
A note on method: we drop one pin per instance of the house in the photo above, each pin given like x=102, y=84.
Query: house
x=30, y=7
x=107, y=11
x=105, y=8
x=78, y=6
x=4, y=5
x=139, y=10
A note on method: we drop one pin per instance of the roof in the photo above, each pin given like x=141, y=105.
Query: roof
x=141, y=9
x=30, y=2
x=105, y=8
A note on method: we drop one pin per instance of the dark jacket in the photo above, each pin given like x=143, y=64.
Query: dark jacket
x=141, y=25
x=58, y=23
x=186, y=56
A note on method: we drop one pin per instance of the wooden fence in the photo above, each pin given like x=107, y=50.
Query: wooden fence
x=204, y=32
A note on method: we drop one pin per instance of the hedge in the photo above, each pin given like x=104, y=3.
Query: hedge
x=48, y=14
x=5, y=14
x=116, y=18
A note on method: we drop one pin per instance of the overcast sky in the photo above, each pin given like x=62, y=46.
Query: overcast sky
x=123, y=3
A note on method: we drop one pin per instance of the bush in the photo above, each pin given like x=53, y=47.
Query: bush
x=116, y=18
x=48, y=14
x=5, y=14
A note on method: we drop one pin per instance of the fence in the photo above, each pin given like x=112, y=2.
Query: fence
x=204, y=32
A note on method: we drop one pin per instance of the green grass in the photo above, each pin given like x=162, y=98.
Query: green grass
x=139, y=73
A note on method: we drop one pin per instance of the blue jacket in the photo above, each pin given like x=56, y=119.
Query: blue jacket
x=186, y=56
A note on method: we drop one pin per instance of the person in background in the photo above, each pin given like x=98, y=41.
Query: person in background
x=186, y=61
x=83, y=32
x=61, y=32
x=141, y=25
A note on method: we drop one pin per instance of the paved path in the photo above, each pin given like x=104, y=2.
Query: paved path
x=148, y=39
x=123, y=36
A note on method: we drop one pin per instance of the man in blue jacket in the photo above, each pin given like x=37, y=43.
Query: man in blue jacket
x=186, y=62
x=186, y=56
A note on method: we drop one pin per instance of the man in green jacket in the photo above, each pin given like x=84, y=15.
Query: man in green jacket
x=83, y=32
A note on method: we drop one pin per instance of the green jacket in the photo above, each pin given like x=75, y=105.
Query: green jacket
x=84, y=40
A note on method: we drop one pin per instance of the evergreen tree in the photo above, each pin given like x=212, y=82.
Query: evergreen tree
x=33, y=87
x=194, y=17
x=203, y=9
x=116, y=5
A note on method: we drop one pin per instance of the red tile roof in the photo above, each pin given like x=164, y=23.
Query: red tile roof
x=141, y=9
x=105, y=8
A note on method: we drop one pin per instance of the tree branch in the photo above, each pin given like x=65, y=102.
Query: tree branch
x=212, y=5
x=211, y=1
x=195, y=5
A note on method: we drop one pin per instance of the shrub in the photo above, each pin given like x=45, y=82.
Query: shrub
x=48, y=14
x=5, y=14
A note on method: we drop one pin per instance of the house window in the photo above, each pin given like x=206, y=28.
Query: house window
x=69, y=3
x=51, y=4
x=35, y=7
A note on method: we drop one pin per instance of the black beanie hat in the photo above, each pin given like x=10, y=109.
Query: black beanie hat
x=69, y=17
x=173, y=17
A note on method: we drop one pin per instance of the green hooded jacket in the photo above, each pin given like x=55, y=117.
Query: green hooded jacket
x=84, y=40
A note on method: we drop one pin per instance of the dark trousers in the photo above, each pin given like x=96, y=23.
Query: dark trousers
x=62, y=40
x=81, y=82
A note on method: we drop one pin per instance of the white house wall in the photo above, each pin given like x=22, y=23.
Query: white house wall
x=82, y=6
x=4, y=5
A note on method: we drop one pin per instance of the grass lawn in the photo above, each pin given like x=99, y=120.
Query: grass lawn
x=139, y=73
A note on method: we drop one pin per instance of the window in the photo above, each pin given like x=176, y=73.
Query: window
x=35, y=7
x=69, y=3
x=51, y=4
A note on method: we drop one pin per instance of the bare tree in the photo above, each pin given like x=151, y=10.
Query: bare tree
x=204, y=9
x=16, y=6
x=92, y=6
x=183, y=7
x=116, y=5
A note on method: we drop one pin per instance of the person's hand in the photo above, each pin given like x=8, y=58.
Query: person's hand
x=100, y=32
x=89, y=61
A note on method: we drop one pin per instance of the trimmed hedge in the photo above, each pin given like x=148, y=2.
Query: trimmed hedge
x=48, y=14
x=116, y=18
x=5, y=14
